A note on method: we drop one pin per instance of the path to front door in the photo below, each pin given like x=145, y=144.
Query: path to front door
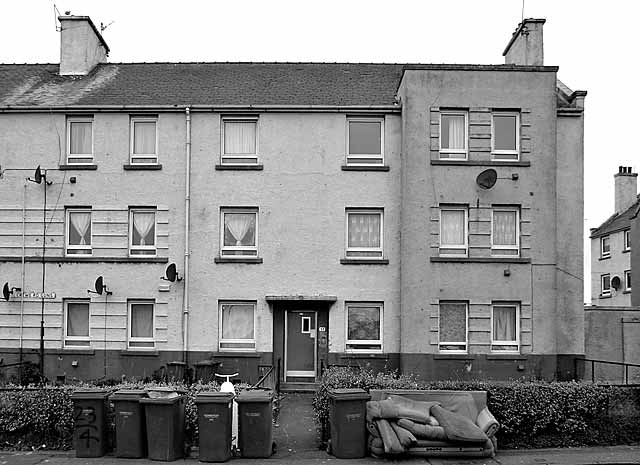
x=300, y=346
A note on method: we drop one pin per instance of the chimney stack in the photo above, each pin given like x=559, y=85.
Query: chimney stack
x=626, y=187
x=81, y=46
x=525, y=46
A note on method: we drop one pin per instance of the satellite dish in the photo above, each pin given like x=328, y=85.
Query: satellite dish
x=171, y=273
x=487, y=179
x=615, y=282
x=38, y=175
x=99, y=285
x=6, y=292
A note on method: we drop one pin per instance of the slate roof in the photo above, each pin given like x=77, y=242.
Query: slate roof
x=617, y=221
x=328, y=84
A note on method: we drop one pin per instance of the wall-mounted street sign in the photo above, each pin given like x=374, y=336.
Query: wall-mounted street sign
x=34, y=295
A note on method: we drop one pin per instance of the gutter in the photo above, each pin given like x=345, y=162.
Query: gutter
x=187, y=208
x=203, y=108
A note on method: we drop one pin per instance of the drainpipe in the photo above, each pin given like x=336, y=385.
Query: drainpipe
x=24, y=220
x=187, y=208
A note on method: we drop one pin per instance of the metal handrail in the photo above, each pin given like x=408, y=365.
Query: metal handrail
x=593, y=361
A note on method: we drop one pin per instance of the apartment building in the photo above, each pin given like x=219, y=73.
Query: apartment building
x=425, y=218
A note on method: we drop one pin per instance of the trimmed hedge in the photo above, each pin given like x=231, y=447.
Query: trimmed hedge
x=43, y=417
x=531, y=414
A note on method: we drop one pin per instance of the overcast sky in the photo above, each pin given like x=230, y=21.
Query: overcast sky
x=594, y=43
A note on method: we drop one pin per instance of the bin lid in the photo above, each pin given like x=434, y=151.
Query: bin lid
x=255, y=396
x=213, y=397
x=162, y=400
x=90, y=394
x=129, y=394
x=349, y=394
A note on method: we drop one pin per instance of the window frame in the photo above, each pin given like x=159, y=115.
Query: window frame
x=223, y=248
x=626, y=240
x=450, y=154
x=496, y=342
x=133, y=248
x=495, y=249
x=627, y=280
x=604, y=254
x=605, y=292
x=79, y=159
x=355, y=342
x=151, y=341
x=67, y=339
x=221, y=340
x=67, y=245
x=347, y=249
x=132, y=155
x=375, y=159
x=465, y=246
x=501, y=154
x=228, y=159
x=465, y=344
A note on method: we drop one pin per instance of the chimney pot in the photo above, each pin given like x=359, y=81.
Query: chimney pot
x=626, y=188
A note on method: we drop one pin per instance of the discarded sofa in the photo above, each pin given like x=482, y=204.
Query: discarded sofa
x=430, y=424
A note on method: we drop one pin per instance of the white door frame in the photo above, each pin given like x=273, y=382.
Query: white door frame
x=296, y=373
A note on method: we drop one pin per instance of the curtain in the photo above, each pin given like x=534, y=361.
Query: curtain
x=77, y=319
x=143, y=223
x=364, y=230
x=81, y=224
x=237, y=321
x=452, y=227
x=364, y=138
x=240, y=137
x=504, y=323
x=504, y=228
x=453, y=129
x=80, y=138
x=238, y=225
x=364, y=324
x=144, y=137
x=142, y=320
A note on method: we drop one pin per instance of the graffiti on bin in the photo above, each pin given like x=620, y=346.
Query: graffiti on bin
x=85, y=419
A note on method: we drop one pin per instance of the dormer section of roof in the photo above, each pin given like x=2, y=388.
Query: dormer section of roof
x=81, y=46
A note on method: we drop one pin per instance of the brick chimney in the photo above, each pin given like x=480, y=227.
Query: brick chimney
x=626, y=187
x=525, y=46
x=81, y=46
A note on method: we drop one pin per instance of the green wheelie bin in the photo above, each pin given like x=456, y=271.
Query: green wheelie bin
x=165, y=427
x=131, y=435
x=90, y=422
x=214, y=425
x=347, y=423
x=255, y=423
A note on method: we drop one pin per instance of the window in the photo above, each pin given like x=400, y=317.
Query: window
x=605, y=247
x=78, y=231
x=505, y=135
x=505, y=232
x=627, y=240
x=142, y=232
x=144, y=140
x=453, y=231
x=364, y=327
x=453, y=135
x=237, y=323
x=452, y=329
x=76, y=328
x=627, y=280
x=605, y=285
x=505, y=328
x=365, y=141
x=239, y=232
x=141, y=325
x=364, y=233
x=80, y=140
x=239, y=140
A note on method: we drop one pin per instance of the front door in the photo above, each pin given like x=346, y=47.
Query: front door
x=300, y=345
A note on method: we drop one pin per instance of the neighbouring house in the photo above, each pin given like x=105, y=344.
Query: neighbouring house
x=426, y=218
x=612, y=321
